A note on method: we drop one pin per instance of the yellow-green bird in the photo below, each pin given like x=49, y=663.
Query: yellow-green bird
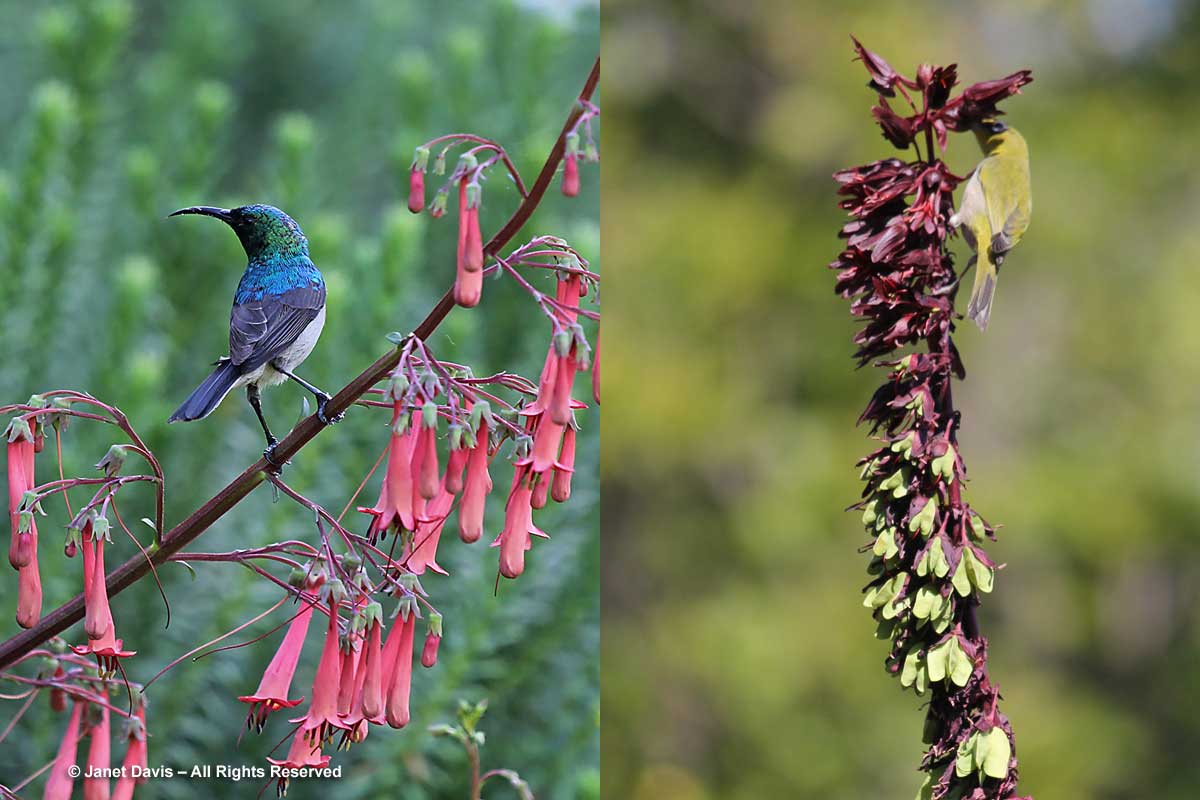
x=995, y=209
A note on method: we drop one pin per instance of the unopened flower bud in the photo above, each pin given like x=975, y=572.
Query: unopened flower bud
x=113, y=460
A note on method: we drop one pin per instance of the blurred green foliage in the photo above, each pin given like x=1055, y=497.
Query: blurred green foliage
x=738, y=661
x=117, y=112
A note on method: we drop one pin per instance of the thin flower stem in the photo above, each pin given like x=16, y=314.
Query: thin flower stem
x=220, y=638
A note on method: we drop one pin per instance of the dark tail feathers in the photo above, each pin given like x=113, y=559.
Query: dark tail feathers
x=208, y=395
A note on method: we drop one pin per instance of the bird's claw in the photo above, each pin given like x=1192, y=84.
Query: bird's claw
x=334, y=420
x=269, y=457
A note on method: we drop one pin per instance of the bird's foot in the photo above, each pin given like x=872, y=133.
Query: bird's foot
x=322, y=401
x=269, y=456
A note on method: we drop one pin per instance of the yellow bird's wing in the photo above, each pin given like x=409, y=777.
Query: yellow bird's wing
x=1006, y=186
x=972, y=216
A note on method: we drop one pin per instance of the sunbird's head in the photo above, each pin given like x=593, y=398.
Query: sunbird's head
x=991, y=133
x=264, y=231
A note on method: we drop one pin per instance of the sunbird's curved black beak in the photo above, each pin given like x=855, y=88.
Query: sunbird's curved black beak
x=222, y=214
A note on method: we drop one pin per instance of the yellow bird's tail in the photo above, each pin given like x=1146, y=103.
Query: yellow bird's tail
x=979, y=308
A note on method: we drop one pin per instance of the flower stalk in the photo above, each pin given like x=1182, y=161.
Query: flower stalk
x=928, y=566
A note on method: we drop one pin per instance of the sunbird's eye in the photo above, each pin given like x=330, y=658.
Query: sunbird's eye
x=998, y=127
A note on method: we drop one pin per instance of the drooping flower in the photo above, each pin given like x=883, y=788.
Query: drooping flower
x=421, y=551
x=563, y=467
x=416, y=180
x=98, y=761
x=368, y=705
x=98, y=625
x=61, y=781
x=302, y=753
x=346, y=679
x=468, y=280
x=400, y=679
x=22, y=549
x=541, y=490
x=570, y=179
x=395, y=505
x=429, y=652
x=457, y=461
x=322, y=718
x=515, y=539
x=272, y=692
x=547, y=439
x=372, y=696
x=416, y=191
x=425, y=457
x=135, y=752
x=476, y=487
x=29, y=593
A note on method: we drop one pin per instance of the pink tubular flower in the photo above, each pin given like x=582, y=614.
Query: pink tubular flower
x=346, y=679
x=98, y=758
x=395, y=505
x=563, y=467
x=29, y=593
x=367, y=707
x=570, y=179
x=475, y=489
x=302, y=753
x=514, y=540
x=135, y=753
x=474, y=242
x=22, y=550
x=98, y=620
x=433, y=639
x=322, y=718
x=455, y=464
x=416, y=190
x=468, y=280
x=272, y=693
x=541, y=490
x=59, y=786
x=547, y=437
x=425, y=459
x=421, y=553
x=400, y=684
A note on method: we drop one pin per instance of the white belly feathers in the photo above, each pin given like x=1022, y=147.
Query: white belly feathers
x=289, y=359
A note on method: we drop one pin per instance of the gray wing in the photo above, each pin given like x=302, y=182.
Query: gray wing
x=260, y=330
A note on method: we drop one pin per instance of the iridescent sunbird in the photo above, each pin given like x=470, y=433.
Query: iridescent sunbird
x=278, y=313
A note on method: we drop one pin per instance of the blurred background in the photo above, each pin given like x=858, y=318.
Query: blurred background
x=738, y=661
x=115, y=113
